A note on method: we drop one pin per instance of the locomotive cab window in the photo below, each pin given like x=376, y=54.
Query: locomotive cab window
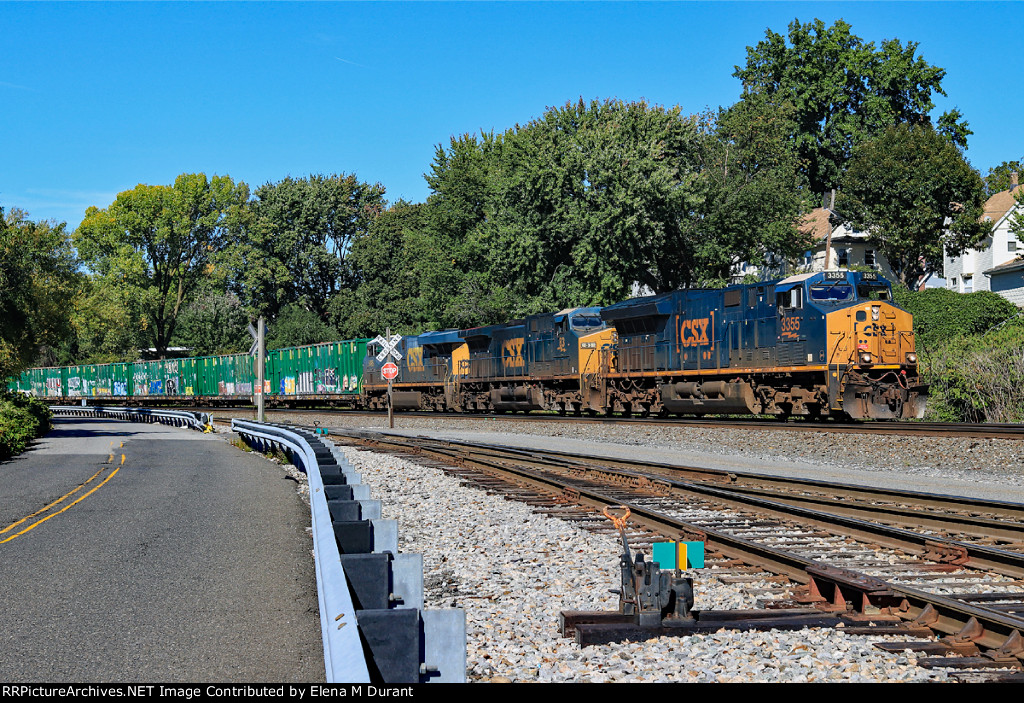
x=789, y=299
x=831, y=293
x=867, y=291
x=586, y=321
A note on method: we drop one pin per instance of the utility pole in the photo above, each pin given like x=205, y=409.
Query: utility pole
x=261, y=357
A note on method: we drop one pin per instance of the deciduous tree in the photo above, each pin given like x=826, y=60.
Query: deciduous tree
x=296, y=247
x=158, y=242
x=39, y=281
x=914, y=193
x=843, y=90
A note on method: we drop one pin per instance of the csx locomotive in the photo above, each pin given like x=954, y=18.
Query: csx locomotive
x=826, y=344
x=819, y=344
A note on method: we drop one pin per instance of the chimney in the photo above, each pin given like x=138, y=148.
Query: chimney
x=1013, y=181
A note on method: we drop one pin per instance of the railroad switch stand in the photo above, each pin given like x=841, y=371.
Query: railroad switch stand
x=648, y=594
x=657, y=603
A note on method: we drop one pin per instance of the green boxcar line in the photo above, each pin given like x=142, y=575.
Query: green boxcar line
x=333, y=368
x=317, y=370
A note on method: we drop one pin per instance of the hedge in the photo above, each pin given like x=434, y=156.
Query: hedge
x=22, y=419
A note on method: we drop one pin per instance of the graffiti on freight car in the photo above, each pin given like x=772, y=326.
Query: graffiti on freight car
x=156, y=387
x=172, y=386
x=288, y=385
x=120, y=387
x=244, y=388
x=326, y=380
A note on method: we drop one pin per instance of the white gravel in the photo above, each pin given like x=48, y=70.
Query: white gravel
x=513, y=571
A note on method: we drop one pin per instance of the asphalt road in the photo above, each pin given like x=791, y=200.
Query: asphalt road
x=189, y=562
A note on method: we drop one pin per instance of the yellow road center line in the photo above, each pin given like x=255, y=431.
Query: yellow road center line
x=50, y=505
x=78, y=500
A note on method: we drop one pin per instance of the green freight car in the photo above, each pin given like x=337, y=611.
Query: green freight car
x=331, y=371
x=225, y=378
x=99, y=381
x=49, y=382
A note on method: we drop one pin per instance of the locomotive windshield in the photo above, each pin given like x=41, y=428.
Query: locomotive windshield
x=585, y=321
x=873, y=291
x=836, y=292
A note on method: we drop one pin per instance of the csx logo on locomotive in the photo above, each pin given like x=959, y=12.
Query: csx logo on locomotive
x=694, y=333
x=414, y=359
x=512, y=353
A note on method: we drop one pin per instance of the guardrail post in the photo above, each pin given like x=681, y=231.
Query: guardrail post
x=402, y=642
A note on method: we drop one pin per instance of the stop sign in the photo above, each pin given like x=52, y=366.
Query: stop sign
x=389, y=370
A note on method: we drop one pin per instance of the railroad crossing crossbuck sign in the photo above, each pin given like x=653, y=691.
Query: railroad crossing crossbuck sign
x=388, y=346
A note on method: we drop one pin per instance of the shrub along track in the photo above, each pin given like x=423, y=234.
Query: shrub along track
x=874, y=561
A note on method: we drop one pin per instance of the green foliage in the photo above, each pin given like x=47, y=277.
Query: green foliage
x=295, y=248
x=156, y=244
x=213, y=323
x=842, y=90
x=916, y=196
x=22, y=419
x=391, y=265
x=1017, y=218
x=754, y=200
x=1000, y=177
x=38, y=282
x=107, y=325
x=594, y=197
x=295, y=326
x=978, y=378
x=941, y=315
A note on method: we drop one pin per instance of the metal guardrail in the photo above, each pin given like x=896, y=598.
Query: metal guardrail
x=373, y=624
x=178, y=418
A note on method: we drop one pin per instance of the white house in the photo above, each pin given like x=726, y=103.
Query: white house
x=996, y=264
x=835, y=246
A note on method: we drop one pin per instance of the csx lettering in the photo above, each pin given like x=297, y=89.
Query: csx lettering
x=871, y=330
x=414, y=359
x=512, y=353
x=694, y=332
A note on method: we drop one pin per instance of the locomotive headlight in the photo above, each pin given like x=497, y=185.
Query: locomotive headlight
x=865, y=357
x=911, y=358
x=875, y=310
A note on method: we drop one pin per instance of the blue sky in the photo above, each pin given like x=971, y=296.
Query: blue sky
x=98, y=97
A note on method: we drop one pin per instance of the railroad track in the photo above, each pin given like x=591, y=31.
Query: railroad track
x=1013, y=431
x=880, y=562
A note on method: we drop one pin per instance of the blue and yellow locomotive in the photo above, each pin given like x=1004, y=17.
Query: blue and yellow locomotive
x=819, y=344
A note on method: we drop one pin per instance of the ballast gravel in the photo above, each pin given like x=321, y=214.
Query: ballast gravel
x=513, y=571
